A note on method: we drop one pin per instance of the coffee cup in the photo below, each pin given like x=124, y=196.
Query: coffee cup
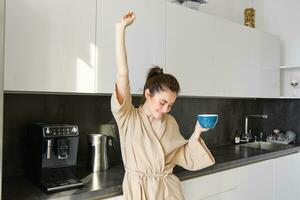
x=207, y=120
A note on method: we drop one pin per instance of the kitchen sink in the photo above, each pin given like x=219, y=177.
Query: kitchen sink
x=266, y=146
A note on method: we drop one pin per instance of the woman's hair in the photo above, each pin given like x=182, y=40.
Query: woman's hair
x=158, y=81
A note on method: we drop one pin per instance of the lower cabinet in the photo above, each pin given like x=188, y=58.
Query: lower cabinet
x=220, y=185
x=256, y=181
x=274, y=179
x=287, y=177
x=227, y=195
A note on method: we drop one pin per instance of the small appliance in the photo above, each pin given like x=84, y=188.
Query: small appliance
x=98, y=145
x=51, y=156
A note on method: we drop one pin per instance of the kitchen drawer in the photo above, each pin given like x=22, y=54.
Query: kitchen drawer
x=211, y=185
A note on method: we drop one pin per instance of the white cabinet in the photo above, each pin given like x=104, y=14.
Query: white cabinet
x=274, y=179
x=144, y=40
x=286, y=177
x=69, y=46
x=236, y=59
x=269, y=71
x=50, y=45
x=215, y=57
x=119, y=198
x=228, y=195
x=222, y=185
x=189, y=50
x=256, y=181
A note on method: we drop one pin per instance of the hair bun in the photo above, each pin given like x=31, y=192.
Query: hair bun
x=154, y=71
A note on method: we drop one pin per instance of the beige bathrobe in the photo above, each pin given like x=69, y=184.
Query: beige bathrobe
x=148, y=160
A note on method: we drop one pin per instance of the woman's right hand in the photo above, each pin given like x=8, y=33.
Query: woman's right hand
x=127, y=20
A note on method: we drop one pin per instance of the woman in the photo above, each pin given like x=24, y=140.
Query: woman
x=151, y=142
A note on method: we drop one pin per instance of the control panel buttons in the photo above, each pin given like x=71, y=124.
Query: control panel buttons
x=74, y=130
x=61, y=131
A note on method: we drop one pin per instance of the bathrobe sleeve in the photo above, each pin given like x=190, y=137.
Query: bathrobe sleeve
x=193, y=154
x=121, y=112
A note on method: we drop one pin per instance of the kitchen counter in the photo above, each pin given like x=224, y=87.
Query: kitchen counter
x=106, y=184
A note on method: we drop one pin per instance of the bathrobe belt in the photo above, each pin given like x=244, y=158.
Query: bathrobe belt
x=144, y=174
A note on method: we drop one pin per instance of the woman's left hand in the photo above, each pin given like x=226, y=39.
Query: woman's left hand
x=199, y=127
x=198, y=130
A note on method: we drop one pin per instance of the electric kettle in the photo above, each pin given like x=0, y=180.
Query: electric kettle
x=98, y=145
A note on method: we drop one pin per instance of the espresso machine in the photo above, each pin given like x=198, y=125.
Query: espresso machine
x=51, y=156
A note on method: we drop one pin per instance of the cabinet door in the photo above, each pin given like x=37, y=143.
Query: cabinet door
x=212, y=185
x=189, y=50
x=228, y=195
x=269, y=65
x=211, y=56
x=50, y=45
x=236, y=59
x=144, y=41
x=286, y=177
x=256, y=181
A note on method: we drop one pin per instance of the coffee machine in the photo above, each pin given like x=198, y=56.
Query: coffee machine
x=51, y=156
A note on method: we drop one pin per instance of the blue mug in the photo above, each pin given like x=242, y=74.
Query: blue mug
x=207, y=120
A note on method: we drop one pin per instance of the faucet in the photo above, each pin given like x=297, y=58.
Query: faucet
x=247, y=136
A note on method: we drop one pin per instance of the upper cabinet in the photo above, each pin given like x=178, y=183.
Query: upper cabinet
x=144, y=41
x=236, y=59
x=280, y=18
x=269, y=72
x=189, y=50
x=69, y=46
x=215, y=57
x=50, y=46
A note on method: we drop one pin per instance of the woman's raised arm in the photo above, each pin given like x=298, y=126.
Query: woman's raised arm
x=121, y=56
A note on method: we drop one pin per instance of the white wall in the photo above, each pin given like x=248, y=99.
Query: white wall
x=281, y=18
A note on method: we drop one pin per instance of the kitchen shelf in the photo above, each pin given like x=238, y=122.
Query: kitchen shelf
x=289, y=66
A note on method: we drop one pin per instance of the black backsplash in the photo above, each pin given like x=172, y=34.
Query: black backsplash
x=88, y=111
x=231, y=113
x=284, y=114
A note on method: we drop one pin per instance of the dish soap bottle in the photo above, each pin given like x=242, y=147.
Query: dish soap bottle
x=237, y=137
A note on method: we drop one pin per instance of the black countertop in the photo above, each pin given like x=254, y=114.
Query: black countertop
x=107, y=184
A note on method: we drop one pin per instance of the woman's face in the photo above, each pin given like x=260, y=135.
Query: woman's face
x=160, y=103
